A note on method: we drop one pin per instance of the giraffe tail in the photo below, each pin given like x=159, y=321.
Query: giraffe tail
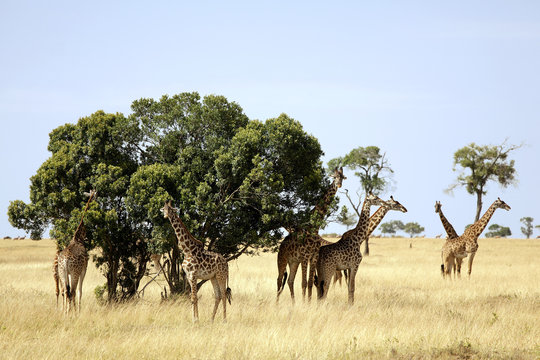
x=282, y=285
x=321, y=289
x=228, y=292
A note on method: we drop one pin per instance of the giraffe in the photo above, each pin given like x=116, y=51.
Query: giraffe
x=301, y=245
x=69, y=266
x=467, y=243
x=200, y=264
x=374, y=221
x=451, y=234
x=345, y=254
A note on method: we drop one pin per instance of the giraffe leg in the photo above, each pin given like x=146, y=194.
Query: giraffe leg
x=304, y=265
x=324, y=283
x=217, y=294
x=293, y=267
x=311, y=276
x=458, y=267
x=73, y=297
x=471, y=257
x=193, y=283
x=223, y=289
x=337, y=277
x=81, y=279
x=351, y=283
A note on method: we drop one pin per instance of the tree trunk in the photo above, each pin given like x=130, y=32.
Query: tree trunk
x=478, y=205
x=175, y=283
x=366, y=249
x=112, y=281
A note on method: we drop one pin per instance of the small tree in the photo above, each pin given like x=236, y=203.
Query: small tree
x=527, y=230
x=497, y=230
x=391, y=227
x=485, y=163
x=412, y=228
x=373, y=170
x=345, y=217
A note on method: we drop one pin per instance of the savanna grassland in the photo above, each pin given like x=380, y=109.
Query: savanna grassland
x=403, y=309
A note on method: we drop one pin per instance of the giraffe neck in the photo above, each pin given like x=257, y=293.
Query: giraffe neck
x=321, y=208
x=476, y=229
x=447, y=226
x=376, y=219
x=358, y=234
x=186, y=241
x=80, y=234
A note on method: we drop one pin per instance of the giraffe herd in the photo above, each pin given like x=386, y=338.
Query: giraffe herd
x=302, y=247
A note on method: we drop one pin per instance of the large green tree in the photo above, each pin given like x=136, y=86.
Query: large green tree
x=235, y=181
x=372, y=169
x=96, y=153
x=479, y=164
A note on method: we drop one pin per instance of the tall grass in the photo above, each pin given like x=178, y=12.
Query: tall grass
x=403, y=309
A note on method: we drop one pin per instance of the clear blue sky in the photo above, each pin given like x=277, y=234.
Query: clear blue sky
x=419, y=79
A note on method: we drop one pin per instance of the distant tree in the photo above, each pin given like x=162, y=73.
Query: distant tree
x=391, y=227
x=484, y=163
x=345, y=217
x=412, y=228
x=372, y=169
x=527, y=230
x=498, y=231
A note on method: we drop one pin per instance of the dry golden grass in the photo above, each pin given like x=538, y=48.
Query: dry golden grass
x=403, y=309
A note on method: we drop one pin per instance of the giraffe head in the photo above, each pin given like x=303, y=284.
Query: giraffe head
x=395, y=205
x=168, y=209
x=437, y=206
x=374, y=200
x=501, y=204
x=338, y=176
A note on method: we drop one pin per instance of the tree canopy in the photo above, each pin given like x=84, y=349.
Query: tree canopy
x=527, y=229
x=412, y=228
x=235, y=181
x=481, y=163
x=372, y=169
x=391, y=227
x=496, y=230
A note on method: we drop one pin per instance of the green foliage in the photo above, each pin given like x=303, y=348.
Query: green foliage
x=498, y=231
x=369, y=165
x=345, y=217
x=412, y=228
x=527, y=230
x=236, y=182
x=480, y=164
x=391, y=227
x=96, y=153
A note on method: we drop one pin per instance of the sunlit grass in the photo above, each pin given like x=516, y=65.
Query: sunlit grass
x=403, y=309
